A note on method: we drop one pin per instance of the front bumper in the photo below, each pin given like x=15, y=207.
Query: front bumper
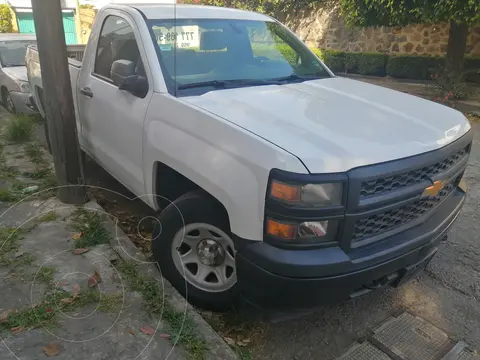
x=282, y=278
x=24, y=103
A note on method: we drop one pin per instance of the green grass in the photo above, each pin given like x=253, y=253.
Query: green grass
x=49, y=181
x=8, y=243
x=243, y=353
x=38, y=175
x=45, y=173
x=7, y=172
x=90, y=224
x=35, y=153
x=25, y=259
x=31, y=317
x=14, y=193
x=50, y=216
x=109, y=302
x=19, y=129
x=7, y=196
x=46, y=312
x=45, y=274
x=182, y=329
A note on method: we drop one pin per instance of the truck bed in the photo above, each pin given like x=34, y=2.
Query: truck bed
x=75, y=57
x=74, y=53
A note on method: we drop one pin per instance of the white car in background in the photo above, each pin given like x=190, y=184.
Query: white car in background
x=14, y=87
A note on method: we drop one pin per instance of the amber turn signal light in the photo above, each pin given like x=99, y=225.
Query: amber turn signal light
x=281, y=230
x=285, y=192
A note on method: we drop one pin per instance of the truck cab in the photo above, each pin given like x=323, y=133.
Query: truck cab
x=275, y=180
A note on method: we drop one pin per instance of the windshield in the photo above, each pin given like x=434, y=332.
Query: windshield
x=12, y=53
x=200, y=55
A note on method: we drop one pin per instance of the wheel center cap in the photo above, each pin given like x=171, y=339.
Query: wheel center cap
x=210, y=252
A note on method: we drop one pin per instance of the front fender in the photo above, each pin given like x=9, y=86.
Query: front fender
x=225, y=160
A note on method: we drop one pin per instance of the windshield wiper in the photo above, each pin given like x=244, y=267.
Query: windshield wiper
x=213, y=83
x=228, y=84
x=298, y=78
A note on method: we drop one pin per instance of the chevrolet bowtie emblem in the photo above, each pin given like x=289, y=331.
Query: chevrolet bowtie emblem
x=434, y=189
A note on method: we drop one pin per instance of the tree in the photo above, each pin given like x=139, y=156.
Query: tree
x=460, y=14
x=5, y=19
x=270, y=7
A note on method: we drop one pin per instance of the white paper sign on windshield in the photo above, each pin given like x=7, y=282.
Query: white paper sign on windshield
x=179, y=36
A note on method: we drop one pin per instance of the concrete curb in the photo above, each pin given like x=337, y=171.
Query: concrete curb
x=127, y=251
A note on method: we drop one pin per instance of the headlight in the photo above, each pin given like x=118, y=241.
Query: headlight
x=304, y=209
x=328, y=194
x=24, y=87
x=307, y=232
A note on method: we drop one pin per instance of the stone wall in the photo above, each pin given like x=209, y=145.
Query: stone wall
x=327, y=30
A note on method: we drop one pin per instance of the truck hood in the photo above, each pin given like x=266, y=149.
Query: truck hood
x=336, y=124
x=16, y=72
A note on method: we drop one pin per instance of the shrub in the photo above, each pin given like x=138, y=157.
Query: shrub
x=413, y=66
x=317, y=52
x=472, y=69
x=19, y=128
x=334, y=59
x=5, y=19
x=366, y=63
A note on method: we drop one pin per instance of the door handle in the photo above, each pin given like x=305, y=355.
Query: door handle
x=87, y=92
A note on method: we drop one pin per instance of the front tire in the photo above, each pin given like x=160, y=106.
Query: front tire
x=192, y=245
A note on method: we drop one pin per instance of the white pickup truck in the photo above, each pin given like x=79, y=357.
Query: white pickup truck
x=287, y=186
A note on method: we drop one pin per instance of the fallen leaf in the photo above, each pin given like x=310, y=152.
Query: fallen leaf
x=52, y=349
x=131, y=332
x=165, y=336
x=77, y=236
x=229, y=341
x=76, y=290
x=147, y=330
x=62, y=283
x=4, y=316
x=19, y=253
x=67, y=300
x=80, y=251
x=49, y=310
x=17, y=330
x=94, y=279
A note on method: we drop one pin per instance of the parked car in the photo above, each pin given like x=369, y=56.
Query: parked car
x=283, y=184
x=14, y=86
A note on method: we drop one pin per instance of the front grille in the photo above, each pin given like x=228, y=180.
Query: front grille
x=384, y=184
x=390, y=219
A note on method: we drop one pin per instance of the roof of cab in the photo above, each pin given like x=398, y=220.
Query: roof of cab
x=181, y=11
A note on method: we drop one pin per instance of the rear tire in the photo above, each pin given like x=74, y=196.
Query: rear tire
x=192, y=245
x=8, y=102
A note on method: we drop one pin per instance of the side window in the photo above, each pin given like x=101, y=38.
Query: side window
x=116, y=42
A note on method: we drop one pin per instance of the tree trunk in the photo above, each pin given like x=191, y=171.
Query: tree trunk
x=58, y=101
x=457, y=44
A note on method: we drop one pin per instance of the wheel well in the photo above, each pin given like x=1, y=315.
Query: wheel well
x=169, y=185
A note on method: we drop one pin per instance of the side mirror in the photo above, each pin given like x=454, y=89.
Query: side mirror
x=123, y=75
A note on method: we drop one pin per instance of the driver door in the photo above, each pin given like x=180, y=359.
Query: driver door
x=112, y=119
